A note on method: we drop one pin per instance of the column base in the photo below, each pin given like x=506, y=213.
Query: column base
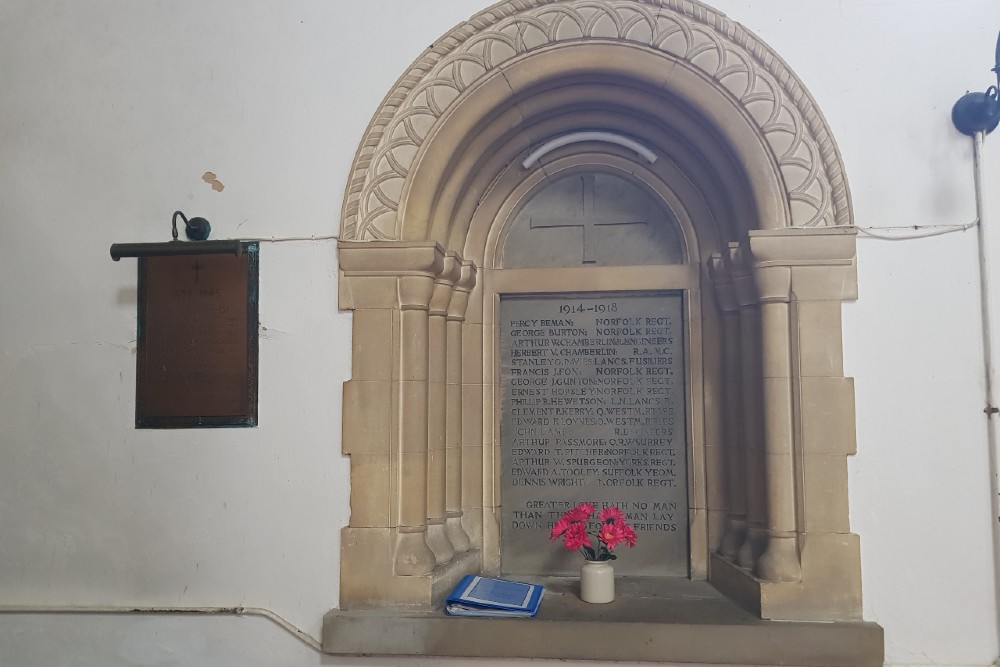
x=830, y=588
x=780, y=562
x=456, y=533
x=412, y=556
x=752, y=548
x=365, y=560
x=733, y=538
x=438, y=542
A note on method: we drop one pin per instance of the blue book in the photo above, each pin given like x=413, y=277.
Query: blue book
x=493, y=598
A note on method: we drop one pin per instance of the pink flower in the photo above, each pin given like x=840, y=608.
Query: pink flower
x=628, y=533
x=576, y=537
x=581, y=512
x=574, y=527
x=611, y=514
x=559, y=528
x=611, y=534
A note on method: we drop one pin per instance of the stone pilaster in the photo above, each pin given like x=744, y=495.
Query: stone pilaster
x=476, y=513
x=437, y=537
x=750, y=366
x=736, y=521
x=413, y=556
x=824, y=275
x=391, y=287
x=780, y=560
x=453, y=399
x=816, y=268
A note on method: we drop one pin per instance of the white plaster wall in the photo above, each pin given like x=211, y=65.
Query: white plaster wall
x=885, y=75
x=110, y=113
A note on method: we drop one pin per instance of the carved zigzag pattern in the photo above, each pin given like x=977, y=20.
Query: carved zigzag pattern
x=756, y=78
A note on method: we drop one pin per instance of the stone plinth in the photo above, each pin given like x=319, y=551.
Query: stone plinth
x=652, y=620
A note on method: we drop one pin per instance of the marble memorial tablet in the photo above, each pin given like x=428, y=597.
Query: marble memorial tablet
x=593, y=409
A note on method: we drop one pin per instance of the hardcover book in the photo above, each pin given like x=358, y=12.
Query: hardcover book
x=493, y=598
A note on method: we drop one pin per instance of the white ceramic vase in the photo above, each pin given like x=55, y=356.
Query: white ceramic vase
x=597, y=581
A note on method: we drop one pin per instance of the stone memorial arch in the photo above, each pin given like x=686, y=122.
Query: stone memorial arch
x=665, y=102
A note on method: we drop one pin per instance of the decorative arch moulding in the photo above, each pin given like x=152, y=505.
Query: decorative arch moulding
x=727, y=55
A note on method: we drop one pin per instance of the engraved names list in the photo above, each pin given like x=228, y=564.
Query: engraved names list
x=593, y=409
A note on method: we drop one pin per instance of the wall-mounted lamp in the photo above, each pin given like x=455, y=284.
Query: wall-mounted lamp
x=979, y=112
x=196, y=229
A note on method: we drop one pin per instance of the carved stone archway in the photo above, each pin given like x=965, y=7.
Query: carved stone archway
x=743, y=154
x=728, y=56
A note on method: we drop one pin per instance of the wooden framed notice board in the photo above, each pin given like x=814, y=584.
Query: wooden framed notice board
x=197, y=342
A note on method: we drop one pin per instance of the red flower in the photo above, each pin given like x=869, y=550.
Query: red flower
x=611, y=514
x=581, y=512
x=611, y=534
x=559, y=528
x=576, y=537
x=628, y=533
x=612, y=530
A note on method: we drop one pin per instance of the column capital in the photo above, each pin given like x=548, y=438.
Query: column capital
x=370, y=271
x=722, y=283
x=463, y=287
x=444, y=283
x=821, y=261
x=414, y=292
x=774, y=283
x=391, y=258
x=739, y=272
x=469, y=274
x=802, y=246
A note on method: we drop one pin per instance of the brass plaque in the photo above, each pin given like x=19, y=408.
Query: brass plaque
x=197, y=343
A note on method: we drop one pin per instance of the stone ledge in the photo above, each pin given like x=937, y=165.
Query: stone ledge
x=830, y=590
x=652, y=620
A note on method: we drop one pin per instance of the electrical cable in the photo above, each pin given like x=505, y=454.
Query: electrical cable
x=872, y=232
x=934, y=230
x=283, y=239
x=284, y=624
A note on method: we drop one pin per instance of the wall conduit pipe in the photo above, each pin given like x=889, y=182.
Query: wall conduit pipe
x=285, y=625
x=989, y=358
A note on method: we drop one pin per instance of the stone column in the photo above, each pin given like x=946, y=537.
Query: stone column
x=780, y=561
x=412, y=555
x=478, y=515
x=438, y=354
x=453, y=400
x=736, y=521
x=750, y=373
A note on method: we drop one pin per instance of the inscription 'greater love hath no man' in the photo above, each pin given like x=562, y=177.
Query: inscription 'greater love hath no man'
x=592, y=409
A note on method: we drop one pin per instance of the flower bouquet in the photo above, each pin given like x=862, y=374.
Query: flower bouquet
x=597, y=574
x=613, y=529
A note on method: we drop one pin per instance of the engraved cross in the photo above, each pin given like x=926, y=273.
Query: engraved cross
x=197, y=268
x=588, y=222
